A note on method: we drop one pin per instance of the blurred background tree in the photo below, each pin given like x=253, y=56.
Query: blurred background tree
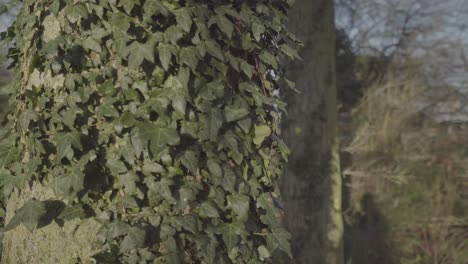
x=404, y=137
x=311, y=186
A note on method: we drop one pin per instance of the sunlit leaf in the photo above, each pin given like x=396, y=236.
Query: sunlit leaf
x=261, y=132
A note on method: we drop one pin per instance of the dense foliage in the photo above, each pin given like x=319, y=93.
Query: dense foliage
x=158, y=118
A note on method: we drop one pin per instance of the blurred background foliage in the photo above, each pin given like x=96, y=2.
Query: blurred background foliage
x=401, y=76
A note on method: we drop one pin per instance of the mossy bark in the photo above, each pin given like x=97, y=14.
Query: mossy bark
x=312, y=183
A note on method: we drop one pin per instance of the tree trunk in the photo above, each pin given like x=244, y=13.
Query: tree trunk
x=312, y=183
x=155, y=118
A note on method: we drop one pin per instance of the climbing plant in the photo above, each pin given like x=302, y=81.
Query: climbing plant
x=158, y=118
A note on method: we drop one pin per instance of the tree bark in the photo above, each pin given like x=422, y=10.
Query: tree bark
x=76, y=239
x=312, y=182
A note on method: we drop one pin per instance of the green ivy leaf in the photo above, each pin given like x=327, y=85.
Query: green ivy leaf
x=291, y=84
x=158, y=137
x=99, y=33
x=69, y=116
x=138, y=52
x=116, y=166
x=208, y=210
x=233, y=61
x=77, y=12
x=189, y=222
x=230, y=233
x=173, y=34
x=269, y=59
x=153, y=167
x=127, y=119
x=190, y=160
x=25, y=119
x=107, y=109
x=51, y=48
x=261, y=132
x=128, y=5
x=229, y=180
x=215, y=169
x=54, y=7
x=92, y=44
x=279, y=238
x=65, y=141
x=107, y=88
x=214, y=49
x=153, y=8
x=223, y=23
x=188, y=56
x=179, y=103
x=246, y=68
x=263, y=253
x=165, y=55
x=135, y=238
x=170, y=250
x=72, y=79
x=116, y=229
x=184, y=18
x=240, y=205
x=273, y=215
x=212, y=91
x=178, y=94
x=214, y=121
x=128, y=181
x=208, y=244
x=120, y=21
x=8, y=151
x=67, y=184
x=290, y=52
x=8, y=181
x=30, y=214
x=163, y=188
x=72, y=212
x=235, y=112
x=257, y=29
x=186, y=195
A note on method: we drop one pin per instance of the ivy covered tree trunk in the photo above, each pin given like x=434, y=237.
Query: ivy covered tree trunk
x=145, y=132
x=311, y=186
